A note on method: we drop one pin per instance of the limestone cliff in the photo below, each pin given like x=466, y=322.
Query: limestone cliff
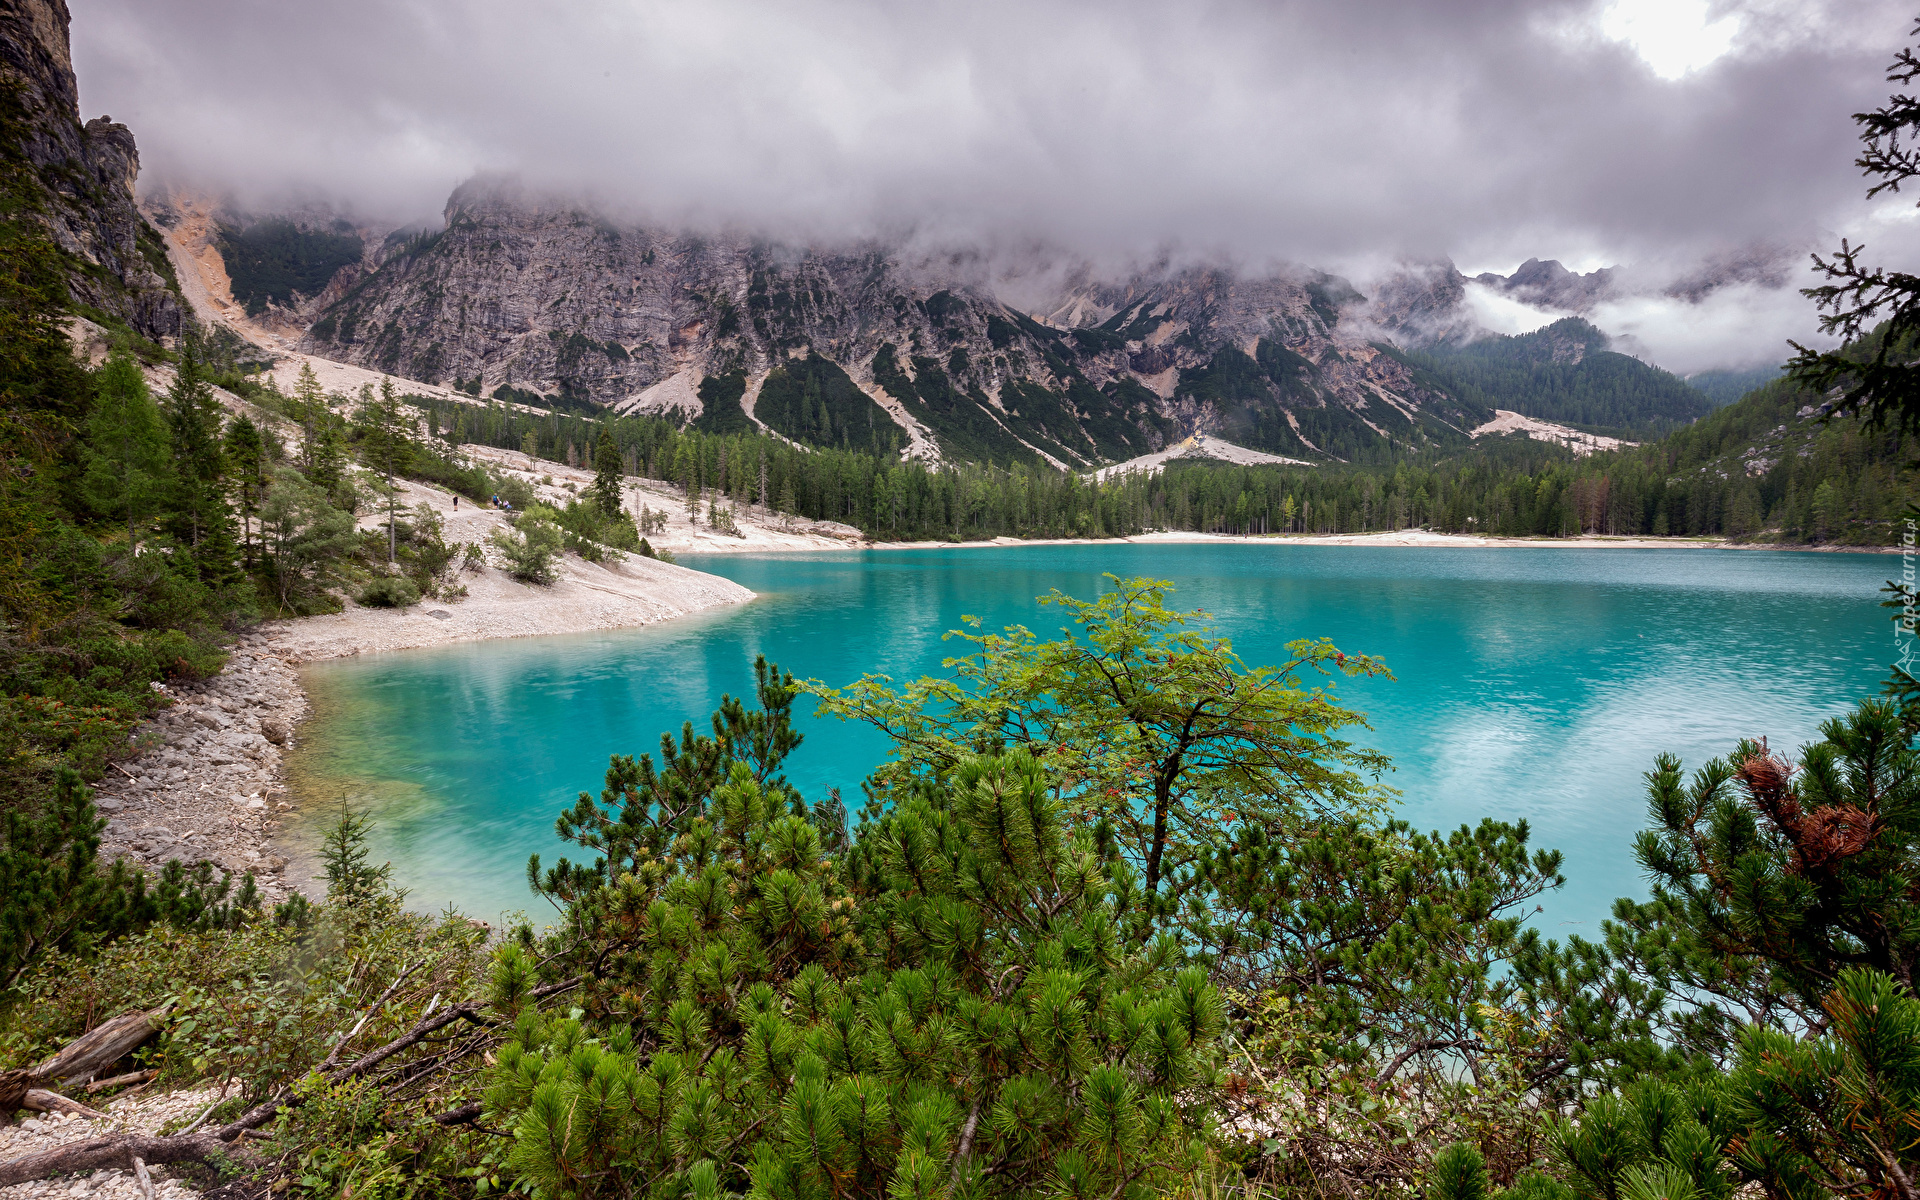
x=864, y=344
x=77, y=180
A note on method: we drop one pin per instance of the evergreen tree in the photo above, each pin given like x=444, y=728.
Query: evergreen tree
x=1879, y=380
x=608, y=479
x=126, y=446
x=386, y=446
x=311, y=405
x=55, y=894
x=246, y=470
x=199, y=514
x=944, y=1010
x=1771, y=878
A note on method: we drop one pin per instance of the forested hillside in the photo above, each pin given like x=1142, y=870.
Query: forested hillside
x=1767, y=467
x=1565, y=373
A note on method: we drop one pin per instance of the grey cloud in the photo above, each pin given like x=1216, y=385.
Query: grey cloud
x=1341, y=134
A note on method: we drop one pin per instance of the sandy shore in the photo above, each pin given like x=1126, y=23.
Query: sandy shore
x=587, y=596
x=1410, y=538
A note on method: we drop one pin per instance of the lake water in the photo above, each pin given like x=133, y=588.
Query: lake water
x=1530, y=683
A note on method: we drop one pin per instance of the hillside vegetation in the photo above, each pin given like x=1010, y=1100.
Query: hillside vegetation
x=1566, y=373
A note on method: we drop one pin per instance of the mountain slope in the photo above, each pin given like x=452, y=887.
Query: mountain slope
x=546, y=298
x=76, y=181
x=1565, y=373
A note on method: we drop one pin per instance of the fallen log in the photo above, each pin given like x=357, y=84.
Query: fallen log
x=111, y=1153
x=102, y=1046
x=82, y=1058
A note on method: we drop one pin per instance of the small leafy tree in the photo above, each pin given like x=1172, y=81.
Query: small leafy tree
x=302, y=532
x=1146, y=723
x=531, y=547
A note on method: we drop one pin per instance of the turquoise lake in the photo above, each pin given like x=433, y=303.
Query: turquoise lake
x=1532, y=683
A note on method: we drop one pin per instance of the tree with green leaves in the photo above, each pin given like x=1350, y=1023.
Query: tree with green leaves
x=531, y=547
x=301, y=531
x=246, y=457
x=609, y=476
x=386, y=446
x=1147, y=721
x=127, y=454
x=194, y=420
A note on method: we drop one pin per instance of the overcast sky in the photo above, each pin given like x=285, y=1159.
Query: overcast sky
x=1342, y=133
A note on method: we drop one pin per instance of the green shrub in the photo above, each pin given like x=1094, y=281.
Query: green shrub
x=389, y=591
x=530, y=548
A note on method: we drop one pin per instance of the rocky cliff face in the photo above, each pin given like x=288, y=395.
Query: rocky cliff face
x=77, y=180
x=545, y=297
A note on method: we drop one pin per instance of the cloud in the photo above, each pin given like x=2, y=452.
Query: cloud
x=1301, y=130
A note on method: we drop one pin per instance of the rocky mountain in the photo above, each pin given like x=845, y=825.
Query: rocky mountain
x=525, y=298
x=1550, y=285
x=77, y=180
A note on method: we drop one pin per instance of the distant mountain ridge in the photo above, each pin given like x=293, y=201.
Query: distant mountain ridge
x=866, y=346
x=547, y=298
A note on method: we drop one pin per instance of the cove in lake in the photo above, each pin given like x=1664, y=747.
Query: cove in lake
x=1530, y=683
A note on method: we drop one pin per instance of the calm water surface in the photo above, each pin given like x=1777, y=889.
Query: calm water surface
x=1529, y=683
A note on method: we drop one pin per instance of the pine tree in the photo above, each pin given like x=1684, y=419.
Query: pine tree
x=386, y=445
x=56, y=896
x=314, y=413
x=246, y=467
x=199, y=514
x=941, y=1010
x=609, y=474
x=126, y=446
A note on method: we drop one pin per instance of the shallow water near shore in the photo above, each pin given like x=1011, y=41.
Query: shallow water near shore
x=1532, y=684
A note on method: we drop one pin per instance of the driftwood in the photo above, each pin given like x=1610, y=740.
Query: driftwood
x=119, y=1151
x=101, y=1085
x=41, y=1100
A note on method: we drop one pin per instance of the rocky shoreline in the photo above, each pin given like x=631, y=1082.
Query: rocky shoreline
x=208, y=783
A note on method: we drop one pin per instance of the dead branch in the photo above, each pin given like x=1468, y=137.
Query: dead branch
x=101, y=1085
